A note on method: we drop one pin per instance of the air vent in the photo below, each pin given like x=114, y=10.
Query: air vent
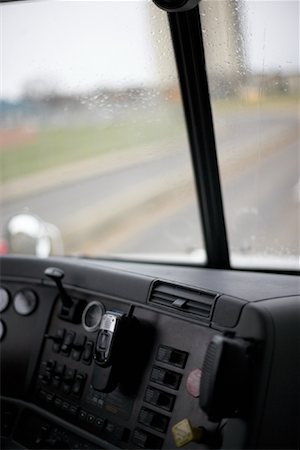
x=189, y=301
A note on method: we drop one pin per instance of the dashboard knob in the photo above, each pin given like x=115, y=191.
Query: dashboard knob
x=4, y=299
x=25, y=302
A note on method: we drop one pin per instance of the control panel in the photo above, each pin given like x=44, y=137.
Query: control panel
x=116, y=359
x=65, y=387
x=120, y=374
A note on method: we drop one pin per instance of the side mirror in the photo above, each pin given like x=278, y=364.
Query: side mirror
x=30, y=235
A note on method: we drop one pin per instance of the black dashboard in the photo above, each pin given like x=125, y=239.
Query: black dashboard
x=197, y=357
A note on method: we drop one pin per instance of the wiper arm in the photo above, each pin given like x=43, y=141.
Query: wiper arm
x=184, y=20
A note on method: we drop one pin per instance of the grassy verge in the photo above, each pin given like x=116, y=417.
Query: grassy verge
x=55, y=147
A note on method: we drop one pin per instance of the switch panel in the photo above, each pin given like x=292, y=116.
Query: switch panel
x=160, y=399
x=166, y=377
x=154, y=420
x=172, y=356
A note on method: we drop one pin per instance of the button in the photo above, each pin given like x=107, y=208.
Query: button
x=58, y=375
x=154, y=420
x=59, y=334
x=193, y=382
x=90, y=418
x=66, y=388
x=67, y=343
x=78, y=347
x=174, y=357
x=82, y=414
x=68, y=380
x=99, y=422
x=69, y=376
x=56, y=381
x=45, y=378
x=184, y=433
x=58, y=339
x=143, y=439
x=58, y=402
x=49, y=397
x=159, y=398
x=172, y=379
x=78, y=385
x=165, y=377
x=50, y=365
x=73, y=410
x=76, y=355
x=88, y=352
x=109, y=427
x=178, y=358
x=79, y=341
x=59, y=370
x=165, y=401
x=65, y=406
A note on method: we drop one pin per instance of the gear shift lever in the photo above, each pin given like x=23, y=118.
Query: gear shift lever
x=71, y=309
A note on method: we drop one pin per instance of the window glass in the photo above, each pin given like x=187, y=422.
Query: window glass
x=252, y=52
x=93, y=140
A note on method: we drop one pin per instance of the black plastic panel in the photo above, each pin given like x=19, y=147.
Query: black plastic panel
x=48, y=363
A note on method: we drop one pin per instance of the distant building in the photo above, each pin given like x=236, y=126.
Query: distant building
x=225, y=56
x=224, y=47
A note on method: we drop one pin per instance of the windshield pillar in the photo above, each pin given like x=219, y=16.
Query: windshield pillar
x=189, y=53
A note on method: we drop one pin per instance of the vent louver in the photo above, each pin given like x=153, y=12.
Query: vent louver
x=191, y=302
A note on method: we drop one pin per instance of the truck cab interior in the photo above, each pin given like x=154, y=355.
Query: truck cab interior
x=150, y=192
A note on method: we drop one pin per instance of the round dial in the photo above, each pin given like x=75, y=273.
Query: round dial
x=92, y=316
x=25, y=302
x=4, y=299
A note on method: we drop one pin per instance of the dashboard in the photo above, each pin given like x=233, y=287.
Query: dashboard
x=109, y=354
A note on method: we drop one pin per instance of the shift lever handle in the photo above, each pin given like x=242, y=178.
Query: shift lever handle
x=56, y=274
x=71, y=310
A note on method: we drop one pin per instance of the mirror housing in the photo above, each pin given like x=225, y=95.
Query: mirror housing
x=30, y=235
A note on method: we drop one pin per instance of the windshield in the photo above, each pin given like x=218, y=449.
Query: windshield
x=252, y=54
x=93, y=136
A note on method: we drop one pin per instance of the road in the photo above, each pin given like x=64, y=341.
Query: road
x=150, y=206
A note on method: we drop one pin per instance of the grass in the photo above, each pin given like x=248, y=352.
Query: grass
x=55, y=147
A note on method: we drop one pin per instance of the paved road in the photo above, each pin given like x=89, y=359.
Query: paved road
x=262, y=217
x=261, y=194
x=59, y=203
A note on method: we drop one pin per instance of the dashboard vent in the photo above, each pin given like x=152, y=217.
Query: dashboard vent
x=191, y=302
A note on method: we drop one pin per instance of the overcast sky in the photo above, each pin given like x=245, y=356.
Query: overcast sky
x=78, y=45
x=272, y=34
